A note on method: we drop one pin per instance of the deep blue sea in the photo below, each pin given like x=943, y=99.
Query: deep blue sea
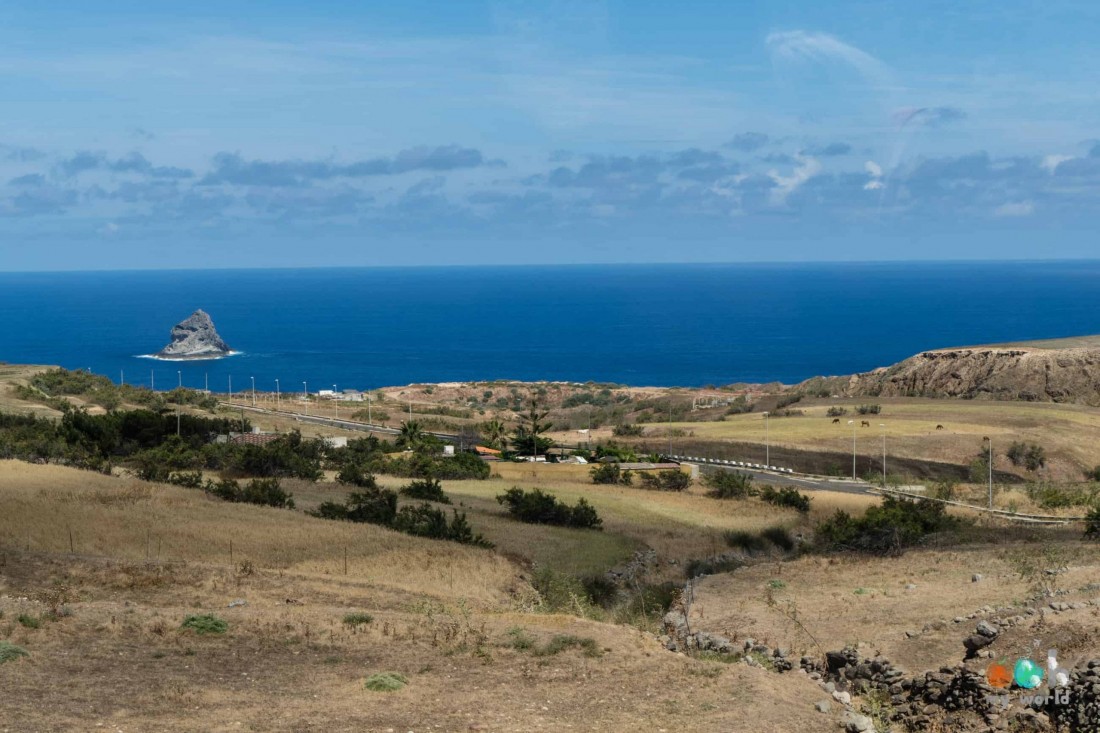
x=638, y=324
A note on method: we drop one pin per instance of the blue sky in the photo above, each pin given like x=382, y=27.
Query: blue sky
x=242, y=134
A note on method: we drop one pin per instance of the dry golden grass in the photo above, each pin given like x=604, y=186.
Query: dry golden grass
x=131, y=520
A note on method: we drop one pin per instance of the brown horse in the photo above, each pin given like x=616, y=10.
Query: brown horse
x=864, y=424
x=836, y=421
x=939, y=427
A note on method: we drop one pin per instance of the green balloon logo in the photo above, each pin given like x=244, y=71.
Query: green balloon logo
x=1027, y=674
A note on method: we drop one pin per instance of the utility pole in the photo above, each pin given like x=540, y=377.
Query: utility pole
x=853, y=424
x=990, y=457
x=883, y=426
x=767, y=441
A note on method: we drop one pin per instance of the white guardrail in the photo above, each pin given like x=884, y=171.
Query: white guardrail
x=730, y=464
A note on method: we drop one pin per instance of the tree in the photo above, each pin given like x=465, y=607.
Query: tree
x=412, y=436
x=496, y=434
x=527, y=437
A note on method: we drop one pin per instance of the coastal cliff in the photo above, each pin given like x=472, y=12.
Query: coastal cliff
x=195, y=338
x=1025, y=373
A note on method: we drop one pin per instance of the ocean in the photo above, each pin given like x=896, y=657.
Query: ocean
x=688, y=325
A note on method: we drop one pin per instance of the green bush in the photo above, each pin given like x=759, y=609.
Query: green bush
x=352, y=474
x=386, y=682
x=428, y=489
x=728, y=484
x=379, y=506
x=263, y=491
x=885, y=529
x=1030, y=455
x=836, y=411
x=10, y=652
x=205, y=624
x=747, y=542
x=357, y=618
x=31, y=622
x=628, y=430
x=869, y=409
x=787, y=496
x=1092, y=524
x=561, y=642
x=711, y=566
x=186, y=479
x=610, y=473
x=538, y=507
x=671, y=480
x=779, y=537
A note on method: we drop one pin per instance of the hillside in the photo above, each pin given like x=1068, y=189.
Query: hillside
x=1066, y=370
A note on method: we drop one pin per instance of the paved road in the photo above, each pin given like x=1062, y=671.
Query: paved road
x=813, y=483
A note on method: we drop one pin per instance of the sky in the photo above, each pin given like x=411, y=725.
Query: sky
x=287, y=134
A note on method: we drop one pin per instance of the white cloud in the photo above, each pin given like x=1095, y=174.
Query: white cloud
x=786, y=185
x=109, y=229
x=1051, y=162
x=803, y=45
x=873, y=169
x=873, y=185
x=1017, y=208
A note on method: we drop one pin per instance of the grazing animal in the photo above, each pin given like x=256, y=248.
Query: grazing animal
x=836, y=421
x=864, y=423
x=939, y=427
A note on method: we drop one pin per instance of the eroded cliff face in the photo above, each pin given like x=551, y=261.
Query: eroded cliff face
x=195, y=338
x=999, y=373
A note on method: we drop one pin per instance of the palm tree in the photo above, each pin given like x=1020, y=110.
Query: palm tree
x=527, y=437
x=411, y=436
x=496, y=434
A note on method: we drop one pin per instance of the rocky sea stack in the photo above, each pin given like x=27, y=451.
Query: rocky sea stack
x=195, y=338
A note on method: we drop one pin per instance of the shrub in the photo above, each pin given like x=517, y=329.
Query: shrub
x=10, y=652
x=1030, y=455
x=787, y=496
x=712, y=566
x=1092, y=524
x=628, y=430
x=885, y=529
x=538, y=507
x=869, y=409
x=428, y=489
x=560, y=642
x=31, y=622
x=728, y=484
x=836, y=411
x=379, y=506
x=352, y=474
x=745, y=541
x=205, y=624
x=1050, y=496
x=610, y=473
x=671, y=480
x=560, y=592
x=375, y=506
x=779, y=537
x=386, y=682
x=263, y=491
x=520, y=640
x=357, y=618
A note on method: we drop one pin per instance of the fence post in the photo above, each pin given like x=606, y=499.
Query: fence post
x=71, y=550
x=345, y=559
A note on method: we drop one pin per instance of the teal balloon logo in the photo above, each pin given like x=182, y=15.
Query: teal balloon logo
x=1027, y=674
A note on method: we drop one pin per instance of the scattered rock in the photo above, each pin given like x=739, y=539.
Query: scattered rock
x=823, y=706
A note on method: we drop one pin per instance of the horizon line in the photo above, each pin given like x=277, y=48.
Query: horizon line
x=700, y=263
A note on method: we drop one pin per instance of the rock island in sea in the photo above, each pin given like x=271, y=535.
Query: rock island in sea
x=195, y=338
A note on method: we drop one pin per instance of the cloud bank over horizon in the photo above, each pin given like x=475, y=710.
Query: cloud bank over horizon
x=430, y=145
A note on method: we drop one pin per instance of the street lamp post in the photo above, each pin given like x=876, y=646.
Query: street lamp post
x=883, y=426
x=767, y=441
x=853, y=424
x=369, y=420
x=335, y=402
x=990, y=458
x=305, y=396
x=253, y=391
x=669, y=426
x=179, y=375
x=276, y=394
